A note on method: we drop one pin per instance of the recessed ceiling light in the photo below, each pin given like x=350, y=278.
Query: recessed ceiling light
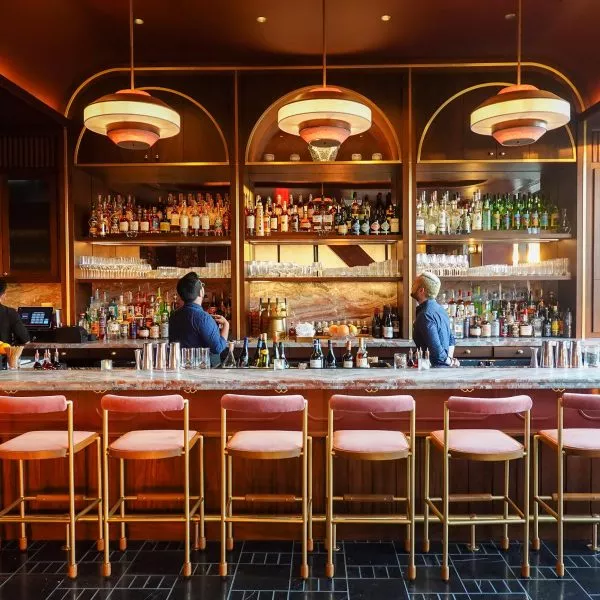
x=386, y=18
x=261, y=19
x=139, y=21
x=510, y=16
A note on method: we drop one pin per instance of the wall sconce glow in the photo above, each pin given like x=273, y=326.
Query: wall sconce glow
x=533, y=253
x=515, y=255
x=386, y=18
x=261, y=19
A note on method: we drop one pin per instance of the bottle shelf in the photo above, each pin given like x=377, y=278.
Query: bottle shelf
x=206, y=280
x=330, y=240
x=159, y=239
x=494, y=236
x=476, y=279
x=325, y=279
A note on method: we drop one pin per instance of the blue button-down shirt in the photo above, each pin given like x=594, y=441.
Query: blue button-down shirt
x=431, y=331
x=193, y=327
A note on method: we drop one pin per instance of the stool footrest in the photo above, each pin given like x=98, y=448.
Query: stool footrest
x=56, y=498
x=473, y=497
x=578, y=497
x=370, y=498
x=271, y=498
x=357, y=518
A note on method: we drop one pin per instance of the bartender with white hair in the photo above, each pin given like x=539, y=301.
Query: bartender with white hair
x=431, y=329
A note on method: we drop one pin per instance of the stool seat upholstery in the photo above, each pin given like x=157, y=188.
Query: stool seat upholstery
x=370, y=443
x=577, y=439
x=150, y=443
x=478, y=442
x=44, y=444
x=277, y=443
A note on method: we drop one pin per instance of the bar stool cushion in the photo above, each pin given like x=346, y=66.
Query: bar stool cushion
x=266, y=444
x=482, y=444
x=371, y=444
x=150, y=444
x=585, y=440
x=35, y=445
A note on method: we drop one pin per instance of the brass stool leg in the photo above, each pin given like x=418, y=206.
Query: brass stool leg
x=505, y=541
x=229, y=502
x=446, y=513
x=100, y=540
x=187, y=565
x=23, y=536
x=535, y=543
x=106, y=498
x=72, y=566
x=223, y=563
x=123, y=538
x=426, y=544
x=200, y=541
x=407, y=534
x=412, y=570
x=329, y=568
x=310, y=543
x=594, y=545
x=560, y=565
x=304, y=565
x=525, y=569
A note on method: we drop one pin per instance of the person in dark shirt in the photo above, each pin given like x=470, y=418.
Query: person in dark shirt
x=431, y=329
x=191, y=325
x=12, y=330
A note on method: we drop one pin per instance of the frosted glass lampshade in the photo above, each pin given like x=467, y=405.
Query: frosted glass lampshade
x=520, y=115
x=132, y=119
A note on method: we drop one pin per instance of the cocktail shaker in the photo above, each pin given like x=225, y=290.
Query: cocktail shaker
x=161, y=355
x=577, y=354
x=548, y=354
x=534, y=358
x=148, y=357
x=563, y=360
x=175, y=356
x=138, y=359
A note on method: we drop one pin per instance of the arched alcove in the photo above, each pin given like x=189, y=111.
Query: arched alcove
x=267, y=138
x=201, y=139
x=447, y=136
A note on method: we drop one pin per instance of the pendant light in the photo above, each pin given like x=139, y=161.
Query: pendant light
x=324, y=117
x=520, y=114
x=132, y=118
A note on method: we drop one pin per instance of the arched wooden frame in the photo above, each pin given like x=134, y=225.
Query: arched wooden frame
x=266, y=126
x=454, y=97
x=177, y=93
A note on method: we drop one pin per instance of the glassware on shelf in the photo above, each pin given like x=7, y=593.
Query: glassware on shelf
x=256, y=269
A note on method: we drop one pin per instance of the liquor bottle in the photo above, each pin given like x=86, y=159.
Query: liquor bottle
x=205, y=221
x=259, y=218
x=393, y=216
x=229, y=362
x=362, y=356
x=165, y=224
x=477, y=217
x=525, y=215
x=388, y=326
x=330, y=362
x=497, y=214
x=264, y=359
x=495, y=325
x=286, y=364
x=376, y=327
x=544, y=215
x=396, y=322
x=486, y=216
x=568, y=323
x=516, y=216
x=420, y=224
x=554, y=218
x=410, y=363
x=316, y=358
x=347, y=358
x=243, y=361
x=256, y=357
x=175, y=217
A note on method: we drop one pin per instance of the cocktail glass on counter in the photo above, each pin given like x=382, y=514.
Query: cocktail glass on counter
x=13, y=356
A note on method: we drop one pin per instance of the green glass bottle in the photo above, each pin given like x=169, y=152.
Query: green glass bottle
x=544, y=215
x=486, y=217
x=497, y=213
x=535, y=214
x=525, y=214
x=516, y=216
x=507, y=214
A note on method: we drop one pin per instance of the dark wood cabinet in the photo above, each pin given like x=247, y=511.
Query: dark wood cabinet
x=29, y=226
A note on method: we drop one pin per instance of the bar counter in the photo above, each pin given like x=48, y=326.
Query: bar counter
x=204, y=389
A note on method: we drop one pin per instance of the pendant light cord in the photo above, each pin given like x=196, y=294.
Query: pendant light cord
x=131, y=43
x=324, y=46
x=519, y=41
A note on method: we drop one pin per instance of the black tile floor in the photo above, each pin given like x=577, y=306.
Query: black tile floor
x=269, y=571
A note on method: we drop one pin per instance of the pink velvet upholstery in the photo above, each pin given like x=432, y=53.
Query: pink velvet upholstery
x=263, y=404
x=369, y=441
x=44, y=441
x=151, y=441
x=489, y=406
x=28, y=405
x=142, y=404
x=266, y=441
x=575, y=439
x=372, y=404
x=581, y=401
x=478, y=441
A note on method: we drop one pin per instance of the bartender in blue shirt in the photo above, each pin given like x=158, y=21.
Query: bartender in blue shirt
x=431, y=329
x=191, y=325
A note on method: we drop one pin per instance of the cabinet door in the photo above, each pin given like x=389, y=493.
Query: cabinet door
x=29, y=228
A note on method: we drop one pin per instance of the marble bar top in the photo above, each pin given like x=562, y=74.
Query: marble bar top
x=371, y=343
x=370, y=380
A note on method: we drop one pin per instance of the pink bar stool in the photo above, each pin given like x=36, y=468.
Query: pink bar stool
x=372, y=445
x=480, y=445
x=265, y=445
x=151, y=444
x=42, y=445
x=565, y=442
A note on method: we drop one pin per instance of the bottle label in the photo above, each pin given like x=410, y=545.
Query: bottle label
x=317, y=222
x=134, y=226
x=348, y=364
x=328, y=222
x=364, y=228
x=274, y=223
x=174, y=219
x=388, y=332
x=250, y=220
x=195, y=222
x=477, y=224
x=356, y=228
x=362, y=363
x=124, y=226
x=342, y=229
x=375, y=227
x=395, y=225
x=284, y=223
x=316, y=363
x=420, y=225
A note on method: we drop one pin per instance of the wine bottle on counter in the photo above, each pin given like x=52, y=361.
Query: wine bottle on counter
x=347, y=358
x=388, y=326
x=330, y=362
x=316, y=358
x=229, y=362
x=264, y=360
x=362, y=356
x=243, y=361
x=256, y=357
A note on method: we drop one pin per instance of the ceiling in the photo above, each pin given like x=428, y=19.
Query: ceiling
x=48, y=48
